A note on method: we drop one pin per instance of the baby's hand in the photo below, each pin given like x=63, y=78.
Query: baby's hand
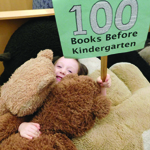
x=29, y=130
x=107, y=82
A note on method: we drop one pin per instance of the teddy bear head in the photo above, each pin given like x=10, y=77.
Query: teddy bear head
x=29, y=85
x=72, y=106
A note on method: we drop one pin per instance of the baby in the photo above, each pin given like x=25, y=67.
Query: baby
x=63, y=67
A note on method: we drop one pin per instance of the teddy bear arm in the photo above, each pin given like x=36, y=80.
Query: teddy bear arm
x=101, y=106
x=63, y=142
x=9, y=124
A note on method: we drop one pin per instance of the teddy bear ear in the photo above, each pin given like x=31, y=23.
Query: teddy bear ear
x=101, y=106
x=46, y=53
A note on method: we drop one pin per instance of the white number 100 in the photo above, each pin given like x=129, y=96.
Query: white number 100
x=109, y=17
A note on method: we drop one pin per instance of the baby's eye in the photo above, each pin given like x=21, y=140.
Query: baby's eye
x=59, y=66
x=69, y=71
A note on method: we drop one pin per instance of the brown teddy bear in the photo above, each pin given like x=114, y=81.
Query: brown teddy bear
x=25, y=91
x=69, y=111
x=28, y=86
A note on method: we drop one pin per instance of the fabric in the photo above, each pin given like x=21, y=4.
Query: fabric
x=41, y=4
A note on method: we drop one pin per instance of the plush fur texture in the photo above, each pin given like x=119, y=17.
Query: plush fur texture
x=122, y=128
x=9, y=124
x=69, y=111
x=129, y=116
x=29, y=85
x=146, y=139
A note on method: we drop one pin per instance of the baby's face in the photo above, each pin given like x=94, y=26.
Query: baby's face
x=65, y=66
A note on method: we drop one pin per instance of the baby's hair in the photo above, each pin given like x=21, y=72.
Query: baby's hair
x=82, y=68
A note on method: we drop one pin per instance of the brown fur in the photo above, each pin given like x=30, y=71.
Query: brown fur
x=45, y=142
x=25, y=91
x=9, y=124
x=69, y=111
x=28, y=86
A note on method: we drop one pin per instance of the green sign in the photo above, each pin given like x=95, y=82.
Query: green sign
x=91, y=28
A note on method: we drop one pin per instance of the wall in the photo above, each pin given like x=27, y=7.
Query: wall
x=5, y=30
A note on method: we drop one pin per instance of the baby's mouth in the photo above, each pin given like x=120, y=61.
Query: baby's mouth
x=58, y=78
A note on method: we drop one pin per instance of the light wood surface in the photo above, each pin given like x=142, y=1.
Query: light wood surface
x=6, y=15
x=103, y=67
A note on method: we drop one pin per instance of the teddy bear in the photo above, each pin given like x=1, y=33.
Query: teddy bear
x=28, y=86
x=122, y=128
x=129, y=116
x=69, y=111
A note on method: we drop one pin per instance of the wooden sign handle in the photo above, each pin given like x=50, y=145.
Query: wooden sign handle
x=103, y=67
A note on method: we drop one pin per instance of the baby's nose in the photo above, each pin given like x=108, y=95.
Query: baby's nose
x=63, y=71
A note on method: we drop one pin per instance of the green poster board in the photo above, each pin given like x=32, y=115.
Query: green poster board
x=94, y=28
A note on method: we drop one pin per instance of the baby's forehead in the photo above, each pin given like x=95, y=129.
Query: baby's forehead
x=66, y=60
x=60, y=59
x=69, y=62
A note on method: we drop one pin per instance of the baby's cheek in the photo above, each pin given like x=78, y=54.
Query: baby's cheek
x=55, y=71
x=68, y=73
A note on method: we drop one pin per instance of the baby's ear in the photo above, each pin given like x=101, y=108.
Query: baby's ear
x=101, y=106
